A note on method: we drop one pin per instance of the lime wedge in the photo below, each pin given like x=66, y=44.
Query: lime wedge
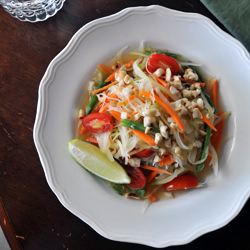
x=92, y=159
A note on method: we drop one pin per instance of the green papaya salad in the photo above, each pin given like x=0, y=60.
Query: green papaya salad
x=156, y=122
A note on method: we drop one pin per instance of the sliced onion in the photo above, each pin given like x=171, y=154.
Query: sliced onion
x=179, y=141
x=207, y=105
x=190, y=64
x=118, y=56
x=199, y=161
x=169, y=178
x=192, y=155
x=104, y=144
x=178, y=160
x=146, y=204
x=214, y=162
x=137, y=70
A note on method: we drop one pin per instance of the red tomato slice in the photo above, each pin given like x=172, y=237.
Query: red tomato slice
x=98, y=122
x=182, y=182
x=156, y=61
x=138, y=179
x=145, y=153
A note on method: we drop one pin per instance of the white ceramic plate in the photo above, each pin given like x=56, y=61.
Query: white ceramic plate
x=168, y=222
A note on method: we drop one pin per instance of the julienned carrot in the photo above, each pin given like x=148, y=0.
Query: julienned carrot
x=134, y=113
x=215, y=93
x=128, y=64
x=166, y=107
x=82, y=130
x=169, y=159
x=152, y=198
x=105, y=68
x=115, y=114
x=112, y=95
x=120, y=104
x=217, y=135
x=103, y=108
x=207, y=121
x=192, y=81
x=111, y=77
x=151, y=176
x=132, y=97
x=92, y=140
x=155, y=169
x=144, y=137
x=104, y=88
x=161, y=81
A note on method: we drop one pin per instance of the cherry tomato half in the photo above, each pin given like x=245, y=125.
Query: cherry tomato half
x=145, y=153
x=156, y=61
x=182, y=182
x=98, y=122
x=138, y=179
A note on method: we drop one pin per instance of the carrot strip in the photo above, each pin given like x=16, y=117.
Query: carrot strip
x=191, y=81
x=103, y=108
x=215, y=93
x=144, y=137
x=134, y=113
x=92, y=140
x=115, y=114
x=155, y=169
x=167, y=108
x=169, y=159
x=152, y=198
x=129, y=64
x=82, y=130
x=207, y=121
x=120, y=104
x=151, y=176
x=161, y=81
x=97, y=108
x=105, y=68
x=111, y=77
x=104, y=88
x=112, y=95
x=132, y=97
x=202, y=84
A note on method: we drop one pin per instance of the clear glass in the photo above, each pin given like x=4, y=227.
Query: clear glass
x=32, y=10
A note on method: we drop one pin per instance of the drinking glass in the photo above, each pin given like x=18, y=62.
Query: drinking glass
x=32, y=10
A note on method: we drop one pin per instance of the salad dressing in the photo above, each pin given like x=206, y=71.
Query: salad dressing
x=156, y=112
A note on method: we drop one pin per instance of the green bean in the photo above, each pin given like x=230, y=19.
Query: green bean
x=138, y=126
x=94, y=99
x=205, y=146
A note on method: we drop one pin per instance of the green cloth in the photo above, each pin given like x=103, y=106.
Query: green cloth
x=234, y=15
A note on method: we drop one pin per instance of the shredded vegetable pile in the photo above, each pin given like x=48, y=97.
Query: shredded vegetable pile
x=151, y=111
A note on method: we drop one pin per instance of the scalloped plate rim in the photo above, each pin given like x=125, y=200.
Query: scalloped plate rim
x=41, y=112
